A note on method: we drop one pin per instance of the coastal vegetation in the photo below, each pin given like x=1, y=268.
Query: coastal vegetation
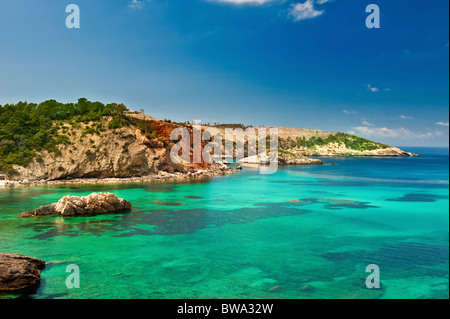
x=97, y=133
x=27, y=128
x=350, y=141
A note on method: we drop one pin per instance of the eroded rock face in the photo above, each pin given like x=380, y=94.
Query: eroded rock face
x=287, y=160
x=124, y=153
x=19, y=273
x=283, y=160
x=96, y=203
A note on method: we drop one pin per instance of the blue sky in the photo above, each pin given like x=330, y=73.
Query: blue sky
x=299, y=63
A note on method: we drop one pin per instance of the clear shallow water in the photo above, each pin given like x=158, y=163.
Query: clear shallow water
x=240, y=236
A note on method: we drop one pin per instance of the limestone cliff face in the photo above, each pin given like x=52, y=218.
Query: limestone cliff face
x=120, y=153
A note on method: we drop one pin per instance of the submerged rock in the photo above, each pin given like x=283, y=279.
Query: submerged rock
x=96, y=203
x=19, y=273
x=306, y=288
x=276, y=289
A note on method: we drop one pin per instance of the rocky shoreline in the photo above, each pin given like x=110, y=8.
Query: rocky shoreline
x=340, y=151
x=19, y=273
x=296, y=160
x=160, y=177
x=219, y=169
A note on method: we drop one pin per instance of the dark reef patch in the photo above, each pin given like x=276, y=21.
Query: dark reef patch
x=294, y=182
x=191, y=220
x=333, y=204
x=162, y=221
x=332, y=182
x=72, y=228
x=166, y=203
x=158, y=188
x=403, y=254
x=418, y=197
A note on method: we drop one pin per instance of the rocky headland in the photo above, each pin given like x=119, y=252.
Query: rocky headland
x=72, y=144
x=102, y=151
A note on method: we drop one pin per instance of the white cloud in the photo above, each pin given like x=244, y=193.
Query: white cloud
x=384, y=132
x=244, y=1
x=406, y=117
x=366, y=123
x=373, y=89
x=443, y=123
x=137, y=4
x=303, y=11
x=348, y=112
x=296, y=11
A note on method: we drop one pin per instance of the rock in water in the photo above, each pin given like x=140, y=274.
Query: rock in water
x=296, y=159
x=19, y=273
x=283, y=160
x=96, y=203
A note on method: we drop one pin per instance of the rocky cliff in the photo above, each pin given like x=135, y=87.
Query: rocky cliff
x=92, y=150
x=125, y=145
x=307, y=142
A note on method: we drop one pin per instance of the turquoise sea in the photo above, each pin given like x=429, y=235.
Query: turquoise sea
x=304, y=232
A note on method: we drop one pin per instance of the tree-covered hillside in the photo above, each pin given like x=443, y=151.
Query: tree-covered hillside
x=27, y=128
x=350, y=141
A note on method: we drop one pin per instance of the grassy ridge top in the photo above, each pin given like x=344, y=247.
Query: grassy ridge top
x=350, y=141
